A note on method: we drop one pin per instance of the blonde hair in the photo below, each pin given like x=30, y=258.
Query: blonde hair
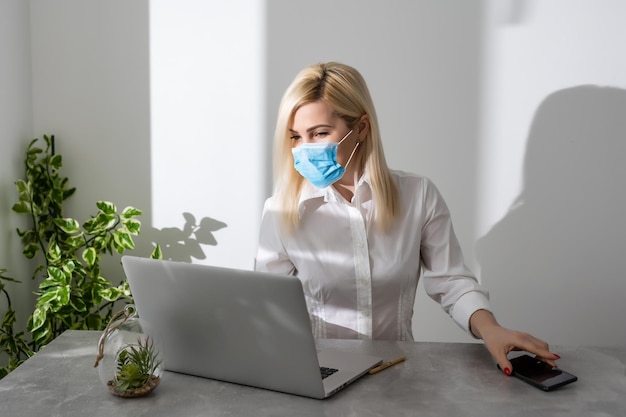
x=345, y=91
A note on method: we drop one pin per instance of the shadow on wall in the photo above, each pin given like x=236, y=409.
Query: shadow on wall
x=556, y=263
x=186, y=243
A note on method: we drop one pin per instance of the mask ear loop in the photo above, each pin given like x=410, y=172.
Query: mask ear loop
x=352, y=154
x=355, y=180
x=344, y=138
x=353, y=150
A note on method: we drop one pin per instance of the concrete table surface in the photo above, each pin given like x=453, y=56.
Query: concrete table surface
x=437, y=379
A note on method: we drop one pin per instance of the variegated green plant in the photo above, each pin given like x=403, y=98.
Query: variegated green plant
x=12, y=342
x=72, y=293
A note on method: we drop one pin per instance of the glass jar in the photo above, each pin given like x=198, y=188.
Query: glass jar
x=130, y=361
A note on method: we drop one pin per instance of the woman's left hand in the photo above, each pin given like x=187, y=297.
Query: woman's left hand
x=499, y=341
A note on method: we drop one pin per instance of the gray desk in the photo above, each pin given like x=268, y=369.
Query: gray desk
x=437, y=379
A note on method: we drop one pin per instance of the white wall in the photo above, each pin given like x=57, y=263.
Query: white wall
x=492, y=99
x=208, y=146
x=91, y=80
x=15, y=133
x=552, y=235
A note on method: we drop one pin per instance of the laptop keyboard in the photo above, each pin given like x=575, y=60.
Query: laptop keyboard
x=326, y=372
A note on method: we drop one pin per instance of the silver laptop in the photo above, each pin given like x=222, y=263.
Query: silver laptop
x=246, y=327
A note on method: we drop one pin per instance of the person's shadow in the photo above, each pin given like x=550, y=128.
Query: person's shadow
x=555, y=265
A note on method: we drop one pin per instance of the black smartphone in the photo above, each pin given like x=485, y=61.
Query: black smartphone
x=540, y=374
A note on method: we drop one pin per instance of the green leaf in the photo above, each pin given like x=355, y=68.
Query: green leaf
x=90, y=255
x=56, y=195
x=68, y=225
x=106, y=207
x=27, y=236
x=42, y=335
x=30, y=250
x=68, y=268
x=94, y=322
x=30, y=145
x=64, y=295
x=48, y=298
x=157, y=253
x=9, y=319
x=76, y=241
x=125, y=288
x=100, y=223
x=78, y=304
x=55, y=278
x=112, y=293
x=21, y=207
x=9, y=344
x=93, y=296
x=124, y=240
x=22, y=186
x=56, y=161
x=54, y=252
x=99, y=243
x=68, y=193
x=129, y=212
x=133, y=226
x=37, y=319
x=107, y=294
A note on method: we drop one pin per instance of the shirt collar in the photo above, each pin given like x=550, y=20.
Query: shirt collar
x=329, y=194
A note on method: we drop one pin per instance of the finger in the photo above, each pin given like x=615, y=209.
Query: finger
x=538, y=347
x=503, y=362
x=551, y=361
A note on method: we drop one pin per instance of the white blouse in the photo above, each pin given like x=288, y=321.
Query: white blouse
x=361, y=283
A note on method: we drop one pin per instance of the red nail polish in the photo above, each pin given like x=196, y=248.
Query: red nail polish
x=557, y=356
x=507, y=371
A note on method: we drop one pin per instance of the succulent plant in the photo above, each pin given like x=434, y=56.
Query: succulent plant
x=136, y=367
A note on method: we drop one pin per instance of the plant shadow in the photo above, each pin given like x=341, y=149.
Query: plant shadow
x=183, y=244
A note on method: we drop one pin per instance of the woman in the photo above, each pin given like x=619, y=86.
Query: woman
x=359, y=235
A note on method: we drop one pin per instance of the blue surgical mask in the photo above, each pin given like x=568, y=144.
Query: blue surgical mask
x=317, y=162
